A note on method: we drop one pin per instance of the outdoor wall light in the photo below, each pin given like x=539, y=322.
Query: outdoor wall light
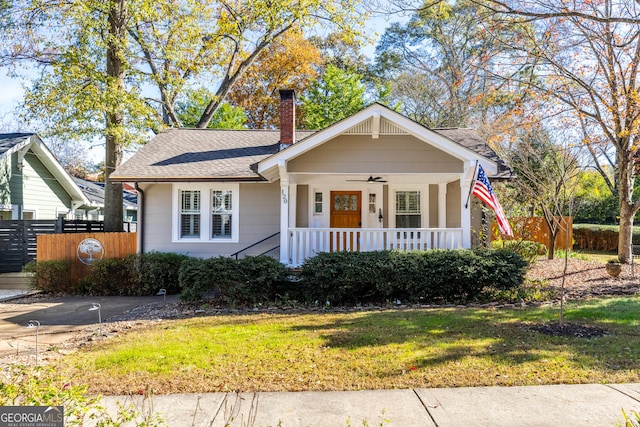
x=380, y=217
x=96, y=306
x=35, y=324
x=163, y=292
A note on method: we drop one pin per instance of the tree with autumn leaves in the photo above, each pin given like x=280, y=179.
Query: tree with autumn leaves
x=587, y=58
x=117, y=69
x=578, y=62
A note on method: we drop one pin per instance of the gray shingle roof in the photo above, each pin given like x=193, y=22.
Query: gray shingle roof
x=211, y=154
x=201, y=154
x=471, y=139
x=11, y=141
x=94, y=191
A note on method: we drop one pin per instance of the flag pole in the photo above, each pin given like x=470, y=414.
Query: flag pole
x=473, y=181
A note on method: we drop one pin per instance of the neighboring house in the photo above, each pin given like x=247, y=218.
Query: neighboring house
x=375, y=180
x=33, y=184
x=95, y=193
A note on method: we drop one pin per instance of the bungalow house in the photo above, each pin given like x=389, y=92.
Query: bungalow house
x=375, y=180
x=33, y=184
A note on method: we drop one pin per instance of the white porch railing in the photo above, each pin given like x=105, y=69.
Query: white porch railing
x=307, y=242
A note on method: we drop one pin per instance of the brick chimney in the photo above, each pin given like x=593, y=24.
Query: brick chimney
x=287, y=117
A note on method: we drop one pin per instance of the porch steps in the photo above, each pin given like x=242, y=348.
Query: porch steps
x=15, y=281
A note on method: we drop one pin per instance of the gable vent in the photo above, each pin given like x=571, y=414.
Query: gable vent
x=386, y=128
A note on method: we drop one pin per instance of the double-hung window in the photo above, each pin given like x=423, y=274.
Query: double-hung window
x=190, y=214
x=408, y=213
x=221, y=214
x=206, y=212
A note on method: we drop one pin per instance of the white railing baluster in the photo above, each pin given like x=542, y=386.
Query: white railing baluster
x=307, y=242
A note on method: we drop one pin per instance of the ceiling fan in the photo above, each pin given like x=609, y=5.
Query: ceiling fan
x=371, y=179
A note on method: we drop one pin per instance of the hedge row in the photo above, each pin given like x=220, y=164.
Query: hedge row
x=598, y=237
x=339, y=278
x=135, y=275
x=431, y=276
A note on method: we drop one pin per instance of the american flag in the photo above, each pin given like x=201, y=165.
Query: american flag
x=482, y=189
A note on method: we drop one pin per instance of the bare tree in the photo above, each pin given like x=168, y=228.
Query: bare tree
x=588, y=57
x=546, y=177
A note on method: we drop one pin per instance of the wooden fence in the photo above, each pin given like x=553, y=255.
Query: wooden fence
x=84, y=248
x=18, y=237
x=535, y=229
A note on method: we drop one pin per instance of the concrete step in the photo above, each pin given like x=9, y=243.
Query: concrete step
x=15, y=281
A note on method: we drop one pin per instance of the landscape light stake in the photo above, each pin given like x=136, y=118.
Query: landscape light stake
x=35, y=324
x=96, y=306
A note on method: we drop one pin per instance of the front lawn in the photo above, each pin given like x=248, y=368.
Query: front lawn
x=444, y=347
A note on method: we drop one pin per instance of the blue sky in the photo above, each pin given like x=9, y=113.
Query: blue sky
x=11, y=90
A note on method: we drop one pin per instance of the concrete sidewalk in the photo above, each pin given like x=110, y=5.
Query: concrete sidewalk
x=556, y=405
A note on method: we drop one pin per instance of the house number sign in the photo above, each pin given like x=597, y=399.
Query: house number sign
x=90, y=250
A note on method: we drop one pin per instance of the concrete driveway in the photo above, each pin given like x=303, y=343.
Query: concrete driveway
x=59, y=317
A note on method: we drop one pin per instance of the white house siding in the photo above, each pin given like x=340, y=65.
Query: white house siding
x=259, y=217
x=157, y=218
x=41, y=191
x=388, y=154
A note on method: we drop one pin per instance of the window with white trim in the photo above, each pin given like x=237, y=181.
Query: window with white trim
x=206, y=212
x=317, y=203
x=190, y=214
x=221, y=214
x=408, y=213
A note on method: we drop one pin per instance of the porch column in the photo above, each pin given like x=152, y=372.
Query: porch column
x=442, y=205
x=284, y=213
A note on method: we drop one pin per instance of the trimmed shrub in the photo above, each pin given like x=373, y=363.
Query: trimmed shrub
x=257, y=277
x=425, y=276
x=160, y=270
x=214, y=276
x=52, y=276
x=251, y=280
x=113, y=277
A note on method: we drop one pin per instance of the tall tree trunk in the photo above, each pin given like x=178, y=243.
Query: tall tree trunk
x=113, y=214
x=627, y=208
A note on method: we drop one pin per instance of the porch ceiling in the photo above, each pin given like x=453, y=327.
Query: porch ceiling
x=391, y=178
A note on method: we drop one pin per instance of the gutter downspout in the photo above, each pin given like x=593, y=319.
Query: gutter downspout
x=140, y=216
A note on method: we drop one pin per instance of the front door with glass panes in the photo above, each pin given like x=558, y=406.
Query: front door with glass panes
x=345, y=213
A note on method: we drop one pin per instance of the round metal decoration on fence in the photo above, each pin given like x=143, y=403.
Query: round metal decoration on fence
x=90, y=250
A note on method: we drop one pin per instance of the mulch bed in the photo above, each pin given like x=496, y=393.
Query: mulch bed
x=585, y=279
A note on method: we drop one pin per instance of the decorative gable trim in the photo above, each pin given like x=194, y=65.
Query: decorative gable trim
x=368, y=127
x=364, y=122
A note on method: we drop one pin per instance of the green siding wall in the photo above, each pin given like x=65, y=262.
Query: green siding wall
x=41, y=189
x=6, y=189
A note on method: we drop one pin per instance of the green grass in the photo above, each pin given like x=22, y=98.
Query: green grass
x=366, y=350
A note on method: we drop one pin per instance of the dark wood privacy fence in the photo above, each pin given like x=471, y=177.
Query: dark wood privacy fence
x=18, y=238
x=18, y=242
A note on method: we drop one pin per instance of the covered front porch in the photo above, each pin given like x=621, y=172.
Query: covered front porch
x=355, y=212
